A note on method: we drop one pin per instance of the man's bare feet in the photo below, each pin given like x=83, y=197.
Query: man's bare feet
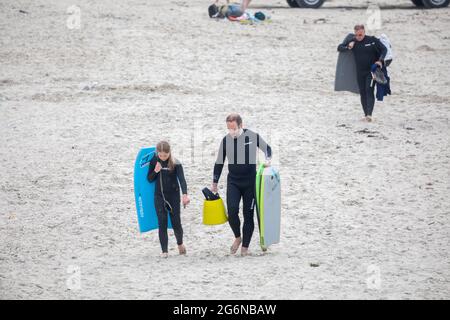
x=164, y=255
x=182, y=249
x=234, y=248
x=244, y=251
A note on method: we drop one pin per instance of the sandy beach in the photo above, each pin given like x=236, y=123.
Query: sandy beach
x=365, y=206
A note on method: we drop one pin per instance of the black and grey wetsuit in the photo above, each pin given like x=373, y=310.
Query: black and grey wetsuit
x=241, y=153
x=167, y=198
x=366, y=53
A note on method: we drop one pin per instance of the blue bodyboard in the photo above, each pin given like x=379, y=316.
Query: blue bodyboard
x=144, y=192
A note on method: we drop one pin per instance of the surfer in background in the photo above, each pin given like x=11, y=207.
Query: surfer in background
x=169, y=176
x=240, y=147
x=367, y=51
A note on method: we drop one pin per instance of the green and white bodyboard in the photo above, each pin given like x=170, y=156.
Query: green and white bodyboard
x=268, y=205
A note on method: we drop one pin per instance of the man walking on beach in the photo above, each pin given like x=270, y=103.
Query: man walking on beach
x=367, y=50
x=240, y=147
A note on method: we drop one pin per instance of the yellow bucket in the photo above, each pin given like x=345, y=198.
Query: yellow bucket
x=214, y=212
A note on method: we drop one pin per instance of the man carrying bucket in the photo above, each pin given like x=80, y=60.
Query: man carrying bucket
x=240, y=147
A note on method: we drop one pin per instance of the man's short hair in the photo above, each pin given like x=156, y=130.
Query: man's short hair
x=359, y=27
x=232, y=117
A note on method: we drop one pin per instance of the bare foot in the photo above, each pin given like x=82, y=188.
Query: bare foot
x=164, y=255
x=369, y=118
x=182, y=249
x=244, y=251
x=234, y=248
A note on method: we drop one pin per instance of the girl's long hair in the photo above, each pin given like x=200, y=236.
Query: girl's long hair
x=164, y=146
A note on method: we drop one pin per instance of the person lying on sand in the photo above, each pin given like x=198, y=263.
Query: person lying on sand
x=217, y=10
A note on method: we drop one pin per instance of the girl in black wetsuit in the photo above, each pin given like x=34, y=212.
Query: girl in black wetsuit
x=169, y=177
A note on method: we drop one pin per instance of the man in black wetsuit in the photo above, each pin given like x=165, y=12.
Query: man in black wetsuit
x=240, y=147
x=367, y=50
